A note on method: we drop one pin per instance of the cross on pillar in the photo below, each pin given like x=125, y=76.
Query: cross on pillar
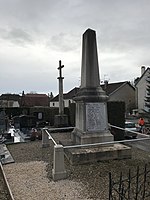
x=60, y=69
x=60, y=78
x=60, y=120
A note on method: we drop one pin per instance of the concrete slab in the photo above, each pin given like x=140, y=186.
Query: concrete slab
x=93, y=154
x=5, y=156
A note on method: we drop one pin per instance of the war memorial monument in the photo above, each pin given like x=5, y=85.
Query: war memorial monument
x=91, y=113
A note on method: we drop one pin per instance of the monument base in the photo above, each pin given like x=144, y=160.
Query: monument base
x=86, y=155
x=79, y=137
x=61, y=121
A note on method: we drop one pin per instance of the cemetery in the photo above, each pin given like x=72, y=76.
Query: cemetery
x=81, y=158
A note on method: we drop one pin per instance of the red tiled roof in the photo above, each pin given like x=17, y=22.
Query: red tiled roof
x=36, y=95
x=35, y=100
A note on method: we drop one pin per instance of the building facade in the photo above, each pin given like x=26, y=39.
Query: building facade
x=140, y=86
x=121, y=91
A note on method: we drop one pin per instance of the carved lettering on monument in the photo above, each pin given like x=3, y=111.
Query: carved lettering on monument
x=95, y=116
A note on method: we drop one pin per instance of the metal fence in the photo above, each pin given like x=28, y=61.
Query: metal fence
x=133, y=187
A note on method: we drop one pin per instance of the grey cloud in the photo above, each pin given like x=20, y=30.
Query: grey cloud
x=64, y=42
x=123, y=25
x=30, y=14
x=125, y=40
x=17, y=36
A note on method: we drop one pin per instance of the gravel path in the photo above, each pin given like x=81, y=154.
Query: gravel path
x=31, y=182
x=30, y=176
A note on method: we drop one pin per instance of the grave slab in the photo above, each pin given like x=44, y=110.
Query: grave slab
x=77, y=156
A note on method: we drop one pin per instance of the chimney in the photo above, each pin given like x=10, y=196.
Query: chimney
x=142, y=70
x=105, y=84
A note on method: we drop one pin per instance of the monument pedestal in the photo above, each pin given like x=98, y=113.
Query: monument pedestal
x=61, y=121
x=79, y=137
x=91, y=123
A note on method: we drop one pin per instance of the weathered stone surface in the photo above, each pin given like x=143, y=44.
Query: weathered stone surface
x=58, y=171
x=95, y=120
x=79, y=137
x=90, y=68
x=61, y=120
x=84, y=155
x=90, y=89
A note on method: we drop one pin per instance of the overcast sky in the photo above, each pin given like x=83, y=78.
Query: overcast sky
x=36, y=34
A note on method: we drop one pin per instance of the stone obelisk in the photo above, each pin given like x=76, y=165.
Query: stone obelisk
x=91, y=101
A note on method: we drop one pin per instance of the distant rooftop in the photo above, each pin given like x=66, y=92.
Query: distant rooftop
x=109, y=88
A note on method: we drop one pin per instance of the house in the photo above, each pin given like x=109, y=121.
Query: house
x=68, y=98
x=121, y=91
x=10, y=100
x=31, y=100
x=140, y=88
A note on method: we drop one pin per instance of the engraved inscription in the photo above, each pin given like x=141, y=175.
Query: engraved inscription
x=95, y=116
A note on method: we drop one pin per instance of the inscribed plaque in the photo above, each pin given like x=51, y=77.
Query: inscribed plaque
x=96, y=117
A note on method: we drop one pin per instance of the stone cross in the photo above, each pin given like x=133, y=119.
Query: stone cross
x=59, y=68
x=60, y=78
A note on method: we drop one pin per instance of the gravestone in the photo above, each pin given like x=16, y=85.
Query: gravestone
x=91, y=101
x=2, y=120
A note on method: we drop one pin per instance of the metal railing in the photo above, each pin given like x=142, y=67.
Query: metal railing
x=146, y=137
x=50, y=137
x=132, y=187
x=60, y=173
x=129, y=131
x=105, y=143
